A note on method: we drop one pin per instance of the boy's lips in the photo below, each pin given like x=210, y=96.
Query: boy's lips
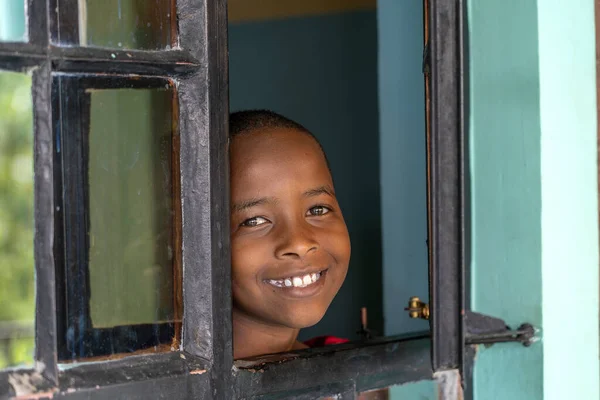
x=299, y=286
x=297, y=273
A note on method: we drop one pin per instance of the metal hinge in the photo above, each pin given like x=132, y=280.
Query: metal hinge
x=426, y=64
x=479, y=328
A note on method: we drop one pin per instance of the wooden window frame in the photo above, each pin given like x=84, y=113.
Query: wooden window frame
x=204, y=367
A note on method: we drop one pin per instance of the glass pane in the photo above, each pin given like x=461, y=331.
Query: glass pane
x=133, y=272
x=131, y=218
x=127, y=24
x=17, y=299
x=12, y=21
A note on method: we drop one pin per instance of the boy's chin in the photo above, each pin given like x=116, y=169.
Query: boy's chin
x=301, y=320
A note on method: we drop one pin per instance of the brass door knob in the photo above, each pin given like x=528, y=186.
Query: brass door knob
x=417, y=309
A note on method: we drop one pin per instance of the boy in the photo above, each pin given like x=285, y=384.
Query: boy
x=289, y=243
x=290, y=247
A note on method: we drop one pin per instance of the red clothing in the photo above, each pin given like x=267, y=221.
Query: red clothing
x=321, y=341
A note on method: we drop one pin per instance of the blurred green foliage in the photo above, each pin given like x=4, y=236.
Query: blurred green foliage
x=17, y=297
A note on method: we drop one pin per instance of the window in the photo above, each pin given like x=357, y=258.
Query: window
x=130, y=102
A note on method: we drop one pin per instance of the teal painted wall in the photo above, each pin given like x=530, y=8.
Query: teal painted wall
x=322, y=72
x=506, y=190
x=12, y=20
x=569, y=198
x=534, y=194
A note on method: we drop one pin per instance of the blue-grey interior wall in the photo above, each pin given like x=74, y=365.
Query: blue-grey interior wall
x=322, y=72
x=403, y=161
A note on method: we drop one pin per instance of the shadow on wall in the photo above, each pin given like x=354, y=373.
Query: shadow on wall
x=322, y=72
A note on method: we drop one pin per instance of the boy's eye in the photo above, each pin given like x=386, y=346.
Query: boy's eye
x=318, y=210
x=254, y=221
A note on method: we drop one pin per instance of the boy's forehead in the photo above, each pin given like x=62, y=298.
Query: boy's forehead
x=285, y=144
x=272, y=137
x=276, y=155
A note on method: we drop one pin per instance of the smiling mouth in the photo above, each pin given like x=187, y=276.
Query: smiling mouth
x=300, y=281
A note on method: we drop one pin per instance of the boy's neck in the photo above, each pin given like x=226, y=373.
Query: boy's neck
x=251, y=338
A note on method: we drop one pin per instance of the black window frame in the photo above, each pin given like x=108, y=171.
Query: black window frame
x=205, y=367
x=71, y=118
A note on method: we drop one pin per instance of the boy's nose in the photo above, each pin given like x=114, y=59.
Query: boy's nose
x=297, y=240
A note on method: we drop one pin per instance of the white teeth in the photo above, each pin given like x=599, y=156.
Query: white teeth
x=296, y=281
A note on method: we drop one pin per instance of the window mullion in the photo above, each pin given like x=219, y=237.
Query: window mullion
x=446, y=185
x=204, y=107
x=217, y=101
x=45, y=319
x=204, y=164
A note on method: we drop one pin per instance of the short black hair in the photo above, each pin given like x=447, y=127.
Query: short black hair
x=249, y=121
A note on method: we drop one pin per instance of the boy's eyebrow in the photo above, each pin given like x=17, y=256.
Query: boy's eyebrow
x=325, y=189
x=244, y=205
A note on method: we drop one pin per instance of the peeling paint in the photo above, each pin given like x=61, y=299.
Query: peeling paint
x=39, y=367
x=449, y=385
x=256, y=370
x=25, y=383
x=34, y=396
x=197, y=372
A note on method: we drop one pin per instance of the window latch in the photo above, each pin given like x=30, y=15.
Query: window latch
x=483, y=329
x=480, y=328
x=417, y=309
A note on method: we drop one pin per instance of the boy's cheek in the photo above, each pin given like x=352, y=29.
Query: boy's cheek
x=245, y=260
x=241, y=247
x=338, y=243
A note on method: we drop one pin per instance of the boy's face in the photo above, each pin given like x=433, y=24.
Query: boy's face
x=290, y=245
